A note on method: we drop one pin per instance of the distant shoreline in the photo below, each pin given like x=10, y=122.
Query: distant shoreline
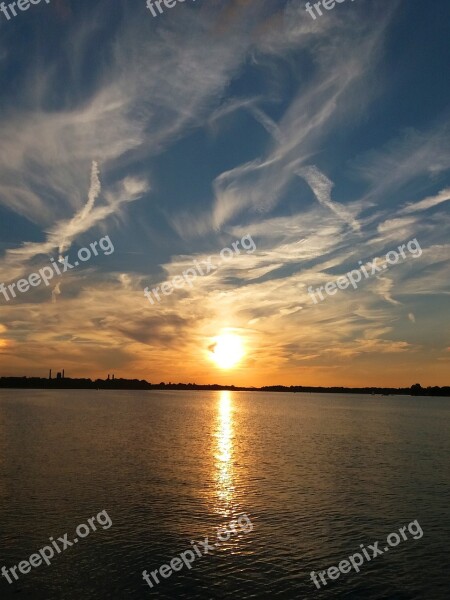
x=136, y=384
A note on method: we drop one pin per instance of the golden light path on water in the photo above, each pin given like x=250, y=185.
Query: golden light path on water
x=224, y=455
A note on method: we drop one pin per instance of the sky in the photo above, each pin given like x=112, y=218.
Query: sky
x=317, y=145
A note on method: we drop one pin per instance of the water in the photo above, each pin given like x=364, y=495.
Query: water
x=317, y=474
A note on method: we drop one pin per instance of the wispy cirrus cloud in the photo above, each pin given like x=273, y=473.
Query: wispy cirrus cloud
x=405, y=159
x=426, y=203
x=322, y=187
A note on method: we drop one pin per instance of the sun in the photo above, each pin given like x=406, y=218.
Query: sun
x=227, y=350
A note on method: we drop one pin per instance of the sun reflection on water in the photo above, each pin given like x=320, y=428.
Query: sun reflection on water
x=224, y=455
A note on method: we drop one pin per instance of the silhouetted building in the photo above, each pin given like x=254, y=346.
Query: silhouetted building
x=58, y=375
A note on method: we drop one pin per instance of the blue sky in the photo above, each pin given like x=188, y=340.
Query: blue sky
x=326, y=141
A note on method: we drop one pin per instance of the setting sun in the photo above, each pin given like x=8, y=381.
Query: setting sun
x=227, y=350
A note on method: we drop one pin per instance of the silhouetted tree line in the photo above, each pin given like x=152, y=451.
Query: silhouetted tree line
x=141, y=384
x=414, y=390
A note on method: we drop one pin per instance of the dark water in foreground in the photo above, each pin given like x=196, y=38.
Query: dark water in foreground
x=317, y=474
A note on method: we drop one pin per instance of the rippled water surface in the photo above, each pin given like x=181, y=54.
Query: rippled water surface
x=317, y=475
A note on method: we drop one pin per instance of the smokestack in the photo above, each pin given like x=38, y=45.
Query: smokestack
x=50, y=374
